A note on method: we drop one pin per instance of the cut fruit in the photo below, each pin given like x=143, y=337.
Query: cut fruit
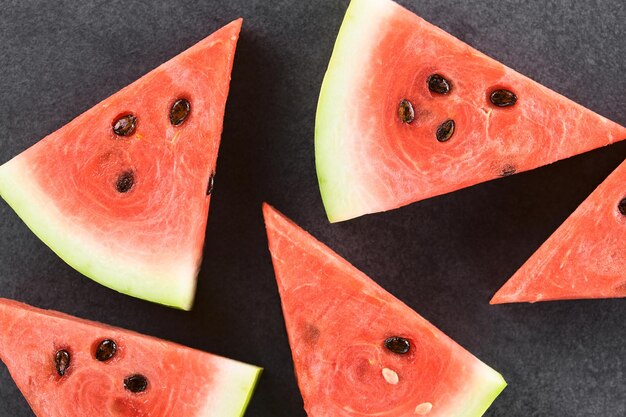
x=584, y=258
x=69, y=367
x=407, y=112
x=359, y=351
x=120, y=193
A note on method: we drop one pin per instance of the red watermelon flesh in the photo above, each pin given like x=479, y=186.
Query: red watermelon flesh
x=369, y=160
x=338, y=321
x=130, y=211
x=180, y=381
x=584, y=258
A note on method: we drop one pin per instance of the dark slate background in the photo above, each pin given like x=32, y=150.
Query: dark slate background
x=445, y=256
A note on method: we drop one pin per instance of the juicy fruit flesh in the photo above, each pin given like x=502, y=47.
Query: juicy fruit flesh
x=130, y=211
x=338, y=321
x=374, y=161
x=584, y=258
x=181, y=381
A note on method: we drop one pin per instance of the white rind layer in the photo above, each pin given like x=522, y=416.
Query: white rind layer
x=236, y=384
x=341, y=188
x=477, y=396
x=170, y=281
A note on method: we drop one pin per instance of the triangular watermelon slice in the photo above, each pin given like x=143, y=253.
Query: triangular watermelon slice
x=584, y=258
x=122, y=192
x=358, y=350
x=68, y=367
x=407, y=112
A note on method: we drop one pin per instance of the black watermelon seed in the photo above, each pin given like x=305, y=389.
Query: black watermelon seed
x=106, y=350
x=406, y=112
x=398, y=345
x=507, y=170
x=503, y=98
x=136, y=383
x=445, y=130
x=209, y=188
x=179, y=111
x=622, y=206
x=125, y=125
x=438, y=84
x=125, y=181
x=62, y=361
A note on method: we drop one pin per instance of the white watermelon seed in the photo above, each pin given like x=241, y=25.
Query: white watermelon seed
x=423, y=409
x=390, y=376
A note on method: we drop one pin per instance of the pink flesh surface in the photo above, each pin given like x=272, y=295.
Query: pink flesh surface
x=392, y=163
x=179, y=378
x=164, y=215
x=338, y=319
x=584, y=258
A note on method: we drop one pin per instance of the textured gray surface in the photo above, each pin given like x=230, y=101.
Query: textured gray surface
x=445, y=256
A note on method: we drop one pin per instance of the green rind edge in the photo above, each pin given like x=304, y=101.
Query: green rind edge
x=329, y=159
x=495, y=388
x=251, y=389
x=62, y=242
x=233, y=390
x=326, y=161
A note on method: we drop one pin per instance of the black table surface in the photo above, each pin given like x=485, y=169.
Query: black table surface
x=444, y=257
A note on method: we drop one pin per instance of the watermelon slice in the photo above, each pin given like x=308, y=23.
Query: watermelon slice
x=359, y=351
x=407, y=112
x=584, y=258
x=68, y=367
x=122, y=192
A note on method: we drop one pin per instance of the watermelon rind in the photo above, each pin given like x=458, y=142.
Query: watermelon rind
x=236, y=387
x=229, y=387
x=481, y=393
x=168, y=283
x=353, y=49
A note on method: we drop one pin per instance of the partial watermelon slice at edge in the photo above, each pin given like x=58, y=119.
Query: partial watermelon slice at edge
x=584, y=258
x=180, y=381
x=337, y=320
x=369, y=161
x=146, y=242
